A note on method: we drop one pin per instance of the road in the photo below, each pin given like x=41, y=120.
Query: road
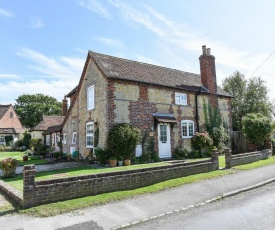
x=249, y=210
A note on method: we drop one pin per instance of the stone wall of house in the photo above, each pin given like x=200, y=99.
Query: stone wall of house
x=47, y=191
x=245, y=158
x=79, y=115
x=10, y=120
x=134, y=103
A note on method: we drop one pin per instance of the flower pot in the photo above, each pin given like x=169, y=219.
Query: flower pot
x=113, y=163
x=25, y=158
x=127, y=162
x=120, y=163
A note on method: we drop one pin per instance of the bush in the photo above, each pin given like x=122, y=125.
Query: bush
x=8, y=140
x=102, y=155
x=181, y=153
x=200, y=141
x=257, y=129
x=34, y=143
x=122, y=140
x=8, y=166
x=56, y=155
x=26, y=139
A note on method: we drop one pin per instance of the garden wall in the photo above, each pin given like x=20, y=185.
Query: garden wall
x=246, y=158
x=43, y=192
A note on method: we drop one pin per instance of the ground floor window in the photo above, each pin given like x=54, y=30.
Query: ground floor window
x=90, y=135
x=48, y=140
x=2, y=141
x=187, y=128
x=74, y=138
x=65, y=138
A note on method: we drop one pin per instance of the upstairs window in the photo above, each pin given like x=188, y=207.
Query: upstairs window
x=180, y=99
x=187, y=128
x=91, y=97
x=11, y=114
x=74, y=138
x=90, y=135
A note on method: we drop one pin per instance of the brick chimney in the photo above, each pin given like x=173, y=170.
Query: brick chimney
x=64, y=106
x=208, y=74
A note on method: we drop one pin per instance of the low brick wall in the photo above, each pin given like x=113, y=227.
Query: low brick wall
x=245, y=158
x=13, y=193
x=43, y=192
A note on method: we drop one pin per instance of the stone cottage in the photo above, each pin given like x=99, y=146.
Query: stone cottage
x=166, y=102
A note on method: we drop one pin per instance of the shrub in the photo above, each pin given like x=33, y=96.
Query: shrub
x=34, y=143
x=26, y=139
x=8, y=140
x=257, y=129
x=8, y=166
x=122, y=140
x=181, y=153
x=220, y=137
x=201, y=140
x=102, y=155
x=56, y=155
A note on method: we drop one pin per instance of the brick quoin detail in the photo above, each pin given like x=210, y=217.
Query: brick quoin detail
x=111, y=103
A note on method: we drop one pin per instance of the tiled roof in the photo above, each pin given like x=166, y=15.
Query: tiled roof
x=72, y=91
x=119, y=68
x=7, y=131
x=53, y=129
x=4, y=109
x=47, y=122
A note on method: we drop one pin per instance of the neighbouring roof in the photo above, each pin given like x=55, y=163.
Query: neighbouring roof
x=72, y=92
x=119, y=68
x=4, y=109
x=53, y=129
x=47, y=122
x=7, y=131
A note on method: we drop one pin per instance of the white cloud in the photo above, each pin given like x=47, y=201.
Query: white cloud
x=81, y=50
x=6, y=14
x=61, y=68
x=110, y=42
x=55, y=77
x=180, y=37
x=147, y=60
x=36, y=23
x=97, y=7
x=9, y=76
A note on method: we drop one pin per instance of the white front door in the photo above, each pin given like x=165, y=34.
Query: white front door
x=164, y=140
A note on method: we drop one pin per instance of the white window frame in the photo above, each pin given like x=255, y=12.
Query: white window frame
x=74, y=136
x=187, y=122
x=48, y=139
x=180, y=98
x=65, y=138
x=89, y=134
x=91, y=97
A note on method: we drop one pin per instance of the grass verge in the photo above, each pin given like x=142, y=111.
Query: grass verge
x=257, y=164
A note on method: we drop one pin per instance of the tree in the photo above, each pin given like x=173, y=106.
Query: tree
x=257, y=128
x=31, y=108
x=249, y=96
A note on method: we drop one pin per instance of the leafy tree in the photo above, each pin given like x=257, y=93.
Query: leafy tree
x=257, y=128
x=236, y=86
x=31, y=108
x=249, y=96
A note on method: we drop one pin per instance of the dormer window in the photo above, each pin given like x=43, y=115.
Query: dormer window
x=180, y=99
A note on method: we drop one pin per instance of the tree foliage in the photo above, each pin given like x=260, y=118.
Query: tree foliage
x=31, y=108
x=249, y=96
x=257, y=128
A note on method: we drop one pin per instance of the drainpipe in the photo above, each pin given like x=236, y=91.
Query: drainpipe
x=197, y=111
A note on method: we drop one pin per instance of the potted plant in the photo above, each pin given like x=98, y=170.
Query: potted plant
x=122, y=140
x=120, y=161
x=25, y=158
x=113, y=161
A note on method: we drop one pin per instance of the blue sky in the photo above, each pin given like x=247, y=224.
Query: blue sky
x=44, y=44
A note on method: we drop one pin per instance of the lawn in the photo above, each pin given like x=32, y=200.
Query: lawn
x=19, y=157
x=17, y=181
